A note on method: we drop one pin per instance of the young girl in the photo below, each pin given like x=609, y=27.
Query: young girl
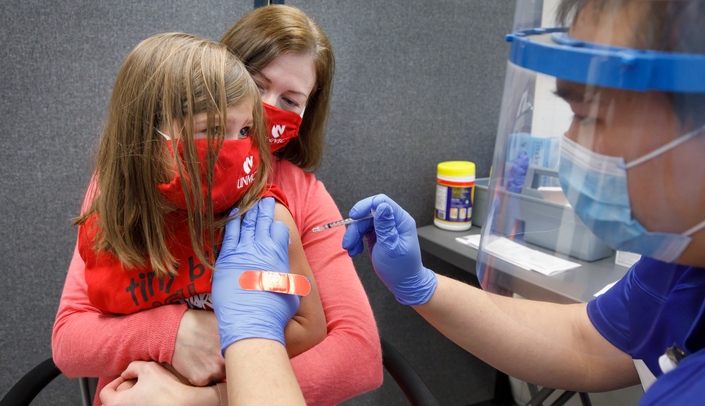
x=183, y=145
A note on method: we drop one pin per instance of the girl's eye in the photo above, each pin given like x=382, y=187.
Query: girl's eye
x=207, y=132
x=244, y=132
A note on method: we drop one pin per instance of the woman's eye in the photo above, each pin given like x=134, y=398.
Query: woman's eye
x=290, y=102
x=244, y=132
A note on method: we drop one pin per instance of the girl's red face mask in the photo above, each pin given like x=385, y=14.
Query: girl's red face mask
x=234, y=171
x=282, y=126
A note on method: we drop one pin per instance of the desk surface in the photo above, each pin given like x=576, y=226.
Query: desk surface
x=572, y=286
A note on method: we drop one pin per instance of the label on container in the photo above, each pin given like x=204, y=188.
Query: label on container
x=453, y=203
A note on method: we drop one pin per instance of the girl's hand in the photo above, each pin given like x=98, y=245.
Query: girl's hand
x=197, y=354
x=153, y=385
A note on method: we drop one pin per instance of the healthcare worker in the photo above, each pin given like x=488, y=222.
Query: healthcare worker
x=617, y=104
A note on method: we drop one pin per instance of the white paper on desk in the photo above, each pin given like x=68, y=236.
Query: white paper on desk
x=472, y=240
x=528, y=258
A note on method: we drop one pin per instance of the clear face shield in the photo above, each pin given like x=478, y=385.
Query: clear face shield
x=600, y=141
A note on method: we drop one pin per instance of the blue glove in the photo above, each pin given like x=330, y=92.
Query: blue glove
x=259, y=243
x=394, y=249
x=517, y=173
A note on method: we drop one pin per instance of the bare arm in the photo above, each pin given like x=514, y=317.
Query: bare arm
x=544, y=343
x=259, y=372
x=308, y=326
x=349, y=360
x=548, y=344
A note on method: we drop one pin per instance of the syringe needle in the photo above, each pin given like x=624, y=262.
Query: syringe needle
x=341, y=223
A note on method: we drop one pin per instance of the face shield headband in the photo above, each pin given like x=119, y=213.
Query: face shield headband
x=552, y=52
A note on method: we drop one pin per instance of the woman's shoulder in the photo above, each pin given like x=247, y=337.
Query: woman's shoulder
x=307, y=197
x=287, y=175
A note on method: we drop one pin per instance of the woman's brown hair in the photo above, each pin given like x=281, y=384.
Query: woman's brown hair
x=267, y=32
x=165, y=81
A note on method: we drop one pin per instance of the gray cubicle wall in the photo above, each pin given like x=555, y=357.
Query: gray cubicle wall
x=418, y=82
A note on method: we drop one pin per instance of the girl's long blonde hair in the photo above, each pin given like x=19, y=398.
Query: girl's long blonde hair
x=165, y=81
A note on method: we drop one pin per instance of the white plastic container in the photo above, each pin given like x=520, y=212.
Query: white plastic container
x=455, y=185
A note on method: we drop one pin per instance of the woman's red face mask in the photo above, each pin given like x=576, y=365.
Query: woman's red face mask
x=282, y=126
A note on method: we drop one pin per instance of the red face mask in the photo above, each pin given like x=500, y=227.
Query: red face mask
x=282, y=126
x=233, y=173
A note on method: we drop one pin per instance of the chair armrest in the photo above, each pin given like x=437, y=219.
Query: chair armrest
x=26, y=389
x=406, y=377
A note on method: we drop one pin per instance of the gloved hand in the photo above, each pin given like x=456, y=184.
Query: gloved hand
x=394, y=249
x=259, y=243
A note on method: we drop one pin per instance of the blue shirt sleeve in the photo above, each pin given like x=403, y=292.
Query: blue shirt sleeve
x=652, y=307
x=609, y=313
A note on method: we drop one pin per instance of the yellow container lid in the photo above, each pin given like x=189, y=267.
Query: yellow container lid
x=456, y=168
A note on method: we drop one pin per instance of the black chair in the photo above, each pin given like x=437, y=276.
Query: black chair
x=28, y=387
x=406, y=377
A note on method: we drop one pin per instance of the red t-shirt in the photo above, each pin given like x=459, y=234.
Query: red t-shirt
x=116, y=290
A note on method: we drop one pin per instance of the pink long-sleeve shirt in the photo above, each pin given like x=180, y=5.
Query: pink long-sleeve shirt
x=348, y=362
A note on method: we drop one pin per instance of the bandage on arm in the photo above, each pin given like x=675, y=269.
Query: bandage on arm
x=278, y=282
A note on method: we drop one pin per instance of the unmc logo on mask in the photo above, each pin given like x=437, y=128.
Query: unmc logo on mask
x=278, y=130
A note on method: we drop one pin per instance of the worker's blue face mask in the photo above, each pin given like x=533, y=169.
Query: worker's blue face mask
x=596, y=187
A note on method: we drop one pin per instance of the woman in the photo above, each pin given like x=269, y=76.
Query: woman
x=284, y=50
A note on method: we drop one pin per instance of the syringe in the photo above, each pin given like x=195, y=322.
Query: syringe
x=341, y=222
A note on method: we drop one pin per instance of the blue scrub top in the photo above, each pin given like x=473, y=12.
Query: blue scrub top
x=654, y=306
x=685, y=385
